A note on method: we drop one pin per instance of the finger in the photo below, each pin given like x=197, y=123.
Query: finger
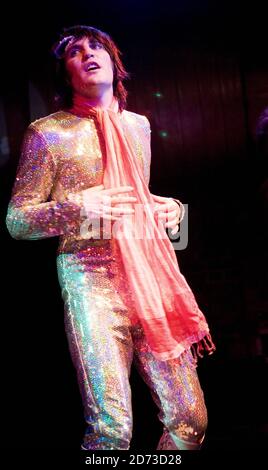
x=162, y=216
x=122, y=210
x=95, y=188
x=120, y=189
x=96, y=214
x=173, y=214
x=118, y=199
x=175, y=230
x=171, y=223
x=106, y=200
x=165, y=207
x=172, y=205
x=168, y=215
x=159, y=198
x=157, y=207
x=110, y=217
x=118, y=210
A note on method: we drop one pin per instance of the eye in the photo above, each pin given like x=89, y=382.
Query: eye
x=96, y=45
x=73, y=52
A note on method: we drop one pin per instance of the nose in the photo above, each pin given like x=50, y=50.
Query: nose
x=87, y=54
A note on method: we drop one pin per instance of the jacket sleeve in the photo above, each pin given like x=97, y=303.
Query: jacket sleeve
x=31, y=215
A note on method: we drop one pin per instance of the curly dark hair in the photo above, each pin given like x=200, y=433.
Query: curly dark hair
x=63, y=97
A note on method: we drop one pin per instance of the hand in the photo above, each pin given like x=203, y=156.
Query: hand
x=100, y=202
x=168, y=211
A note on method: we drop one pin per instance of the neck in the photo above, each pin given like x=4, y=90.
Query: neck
x=84, y=106
x=103, y=101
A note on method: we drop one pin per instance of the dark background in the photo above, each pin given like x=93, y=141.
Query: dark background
x=200, y=74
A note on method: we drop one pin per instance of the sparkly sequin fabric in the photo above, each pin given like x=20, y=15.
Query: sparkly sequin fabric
x=64, y=154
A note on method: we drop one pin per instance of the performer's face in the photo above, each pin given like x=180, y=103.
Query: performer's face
x=84, y=79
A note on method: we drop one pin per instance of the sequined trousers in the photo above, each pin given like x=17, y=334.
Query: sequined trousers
x=105, y=338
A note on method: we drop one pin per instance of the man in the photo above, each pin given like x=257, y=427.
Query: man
x=125, y=298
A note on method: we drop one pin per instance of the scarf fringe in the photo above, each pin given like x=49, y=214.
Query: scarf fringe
x=197, y=350
x=204, y=345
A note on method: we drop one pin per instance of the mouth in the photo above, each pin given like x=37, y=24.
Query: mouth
x=91, y=67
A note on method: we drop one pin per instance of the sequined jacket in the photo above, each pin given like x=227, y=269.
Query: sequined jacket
x=62, y=154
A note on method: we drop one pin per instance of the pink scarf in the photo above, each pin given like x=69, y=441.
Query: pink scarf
x=165, y=304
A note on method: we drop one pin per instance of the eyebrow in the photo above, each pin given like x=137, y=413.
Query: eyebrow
x=89, y=41
x=76, y=45
x=73, y=46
